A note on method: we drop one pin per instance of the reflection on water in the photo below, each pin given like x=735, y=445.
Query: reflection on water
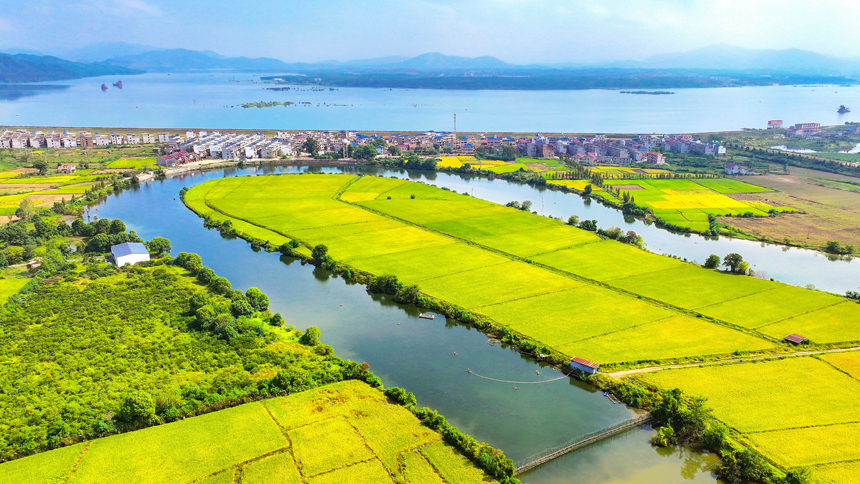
x=628, y=458
x=13, y=92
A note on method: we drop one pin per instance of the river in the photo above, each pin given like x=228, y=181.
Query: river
x=419, y=354
x=212, y=100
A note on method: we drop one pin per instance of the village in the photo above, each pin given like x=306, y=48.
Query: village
x=176, y=149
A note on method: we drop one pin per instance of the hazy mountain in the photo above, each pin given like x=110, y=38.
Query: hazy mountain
x=103, y=50
x=728, y=57
x=189, y=60
x=434, y=61
x=34, y=68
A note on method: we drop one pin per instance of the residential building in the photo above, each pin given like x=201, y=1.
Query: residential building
x=163, y=137
x=654, y=158
x=101, y=139
x=132, y=139
x=67, y=168
x=802, y=130
x=116, y=139
x=147, y=138
x=129, y=253
x=774, y=124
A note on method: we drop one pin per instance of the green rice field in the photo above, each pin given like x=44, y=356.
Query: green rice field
x=344, y=432
x=473, y=253
x=132, y=163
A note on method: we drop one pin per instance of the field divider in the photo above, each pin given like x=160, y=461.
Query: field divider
x=78, y=460
x=566, y=248
x=801, y=314
x=840, y=370
x=802, y=427
x=239, y=466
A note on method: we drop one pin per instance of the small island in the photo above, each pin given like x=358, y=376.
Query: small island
x=653, y=93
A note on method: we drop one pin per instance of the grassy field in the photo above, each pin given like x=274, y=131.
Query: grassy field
x=580, y=185
x=797, y=411
x=728, y=185
x=11, y=285
x=344, y=432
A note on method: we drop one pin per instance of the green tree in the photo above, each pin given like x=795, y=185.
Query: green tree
x=258, y=300
x=712, y=262
x=311, y=337
x=117, y=226
x=587, y=190
x=733, y=261
x=159, y=245
x=137, y=409
x=25, y=209
x=241, y=307
x=573, y=220
x=311, y=146
x=100, y=243
x=219, y=285
x=102, y=226
x=319, y=252
x=205, y=275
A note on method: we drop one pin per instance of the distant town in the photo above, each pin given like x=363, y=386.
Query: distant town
x=182, y=148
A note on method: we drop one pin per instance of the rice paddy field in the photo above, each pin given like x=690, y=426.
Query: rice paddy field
x=564, y=287
x=344, y=432
x=458, y=161
x=797, y=411
x=687, y=203
x=580, y=185
x=132, y=163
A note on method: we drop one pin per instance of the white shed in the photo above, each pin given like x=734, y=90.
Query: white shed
x=129, y=253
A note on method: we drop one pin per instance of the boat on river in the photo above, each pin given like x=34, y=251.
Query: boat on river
x=105, y=87
x=427, y=316
x=843, y=109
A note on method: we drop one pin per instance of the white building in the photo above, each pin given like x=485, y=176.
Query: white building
x=129, y=253
x=163, y=137
x=147, y=138
x=102, y=139
x=116, y=139
x=132, y=139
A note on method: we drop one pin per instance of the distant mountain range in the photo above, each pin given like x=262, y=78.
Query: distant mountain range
x=33, y=68
x=790, y=65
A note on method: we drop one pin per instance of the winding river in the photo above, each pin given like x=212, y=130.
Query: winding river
x=430, y=357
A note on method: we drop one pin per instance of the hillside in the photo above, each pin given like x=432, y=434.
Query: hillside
x=34, y=68
x=188, y=60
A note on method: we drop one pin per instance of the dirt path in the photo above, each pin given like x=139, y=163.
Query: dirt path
x=636, y=371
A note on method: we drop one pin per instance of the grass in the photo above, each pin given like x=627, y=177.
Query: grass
x=581, y=184
x=10, y=286
x=344, y=432
x=132, y=163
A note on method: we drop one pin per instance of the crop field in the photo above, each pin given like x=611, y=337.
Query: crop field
x=674, y=337
x=603, y=260
x=468, y=252
x=797, y=411
x=581, y=184
x=849, y=362
x=456, y=161
x=509, y=168
x=132, y=163
x=770, y=306
x=337, y=433
x=834, y=323
x=728, y=185
x=687, y=203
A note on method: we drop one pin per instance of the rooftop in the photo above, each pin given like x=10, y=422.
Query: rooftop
x=128, y=248
x=584, y=362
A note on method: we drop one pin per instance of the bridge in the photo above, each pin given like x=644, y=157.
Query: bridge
x=579, y=442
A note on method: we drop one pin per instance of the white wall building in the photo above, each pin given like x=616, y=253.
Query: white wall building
x=129, y=253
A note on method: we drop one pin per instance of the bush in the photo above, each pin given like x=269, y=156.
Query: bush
x=387, y=284
x=712, y=262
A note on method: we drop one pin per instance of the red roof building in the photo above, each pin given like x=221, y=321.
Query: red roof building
x=795, y=338
x=583, y=365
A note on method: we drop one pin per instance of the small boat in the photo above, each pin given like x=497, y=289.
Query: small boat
x=105, y=87
x=427, y=316
x=843, y=109
x=118, y=84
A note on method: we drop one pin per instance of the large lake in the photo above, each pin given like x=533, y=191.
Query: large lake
x=211, y=100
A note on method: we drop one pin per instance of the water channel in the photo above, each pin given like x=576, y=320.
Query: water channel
x=430, y=358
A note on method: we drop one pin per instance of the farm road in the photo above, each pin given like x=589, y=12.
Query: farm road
x=636, y=371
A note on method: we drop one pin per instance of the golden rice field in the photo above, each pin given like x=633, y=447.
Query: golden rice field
x=471, y=252
x=344, y=432
x=797, y=411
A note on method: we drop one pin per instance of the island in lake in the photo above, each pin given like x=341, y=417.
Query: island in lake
x=654, y=93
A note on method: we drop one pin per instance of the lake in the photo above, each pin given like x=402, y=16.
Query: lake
x=211, y=100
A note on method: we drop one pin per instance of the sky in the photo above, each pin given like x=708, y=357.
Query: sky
x=517, y=31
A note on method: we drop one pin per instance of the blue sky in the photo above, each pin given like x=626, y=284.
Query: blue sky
x=519, y=31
